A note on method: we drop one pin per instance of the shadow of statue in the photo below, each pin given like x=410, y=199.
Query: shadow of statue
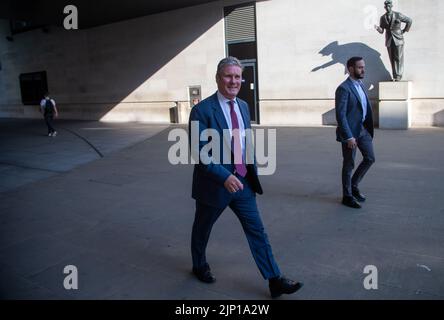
x=375, y=69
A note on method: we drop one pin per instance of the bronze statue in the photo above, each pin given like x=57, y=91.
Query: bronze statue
x=394, y=37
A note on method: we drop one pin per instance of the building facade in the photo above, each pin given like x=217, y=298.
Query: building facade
x=153, y=68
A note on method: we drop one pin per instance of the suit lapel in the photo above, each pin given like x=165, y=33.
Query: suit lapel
x=249, y=144
x=353, y=89
x=393, y=20
x=243, y=111
x=369, y=106
x=366, y=97
x=220, y=119
x=387, y=19
x=218, y=113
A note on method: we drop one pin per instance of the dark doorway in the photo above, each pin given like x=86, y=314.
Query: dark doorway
x=240, y=39
x=248, y=91
x=33, y=86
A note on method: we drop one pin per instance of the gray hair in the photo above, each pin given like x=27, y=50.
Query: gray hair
x=228, y=61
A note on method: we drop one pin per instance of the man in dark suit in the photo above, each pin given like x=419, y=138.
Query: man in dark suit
x=232, y=183
x=355, y=129
x=391, y=22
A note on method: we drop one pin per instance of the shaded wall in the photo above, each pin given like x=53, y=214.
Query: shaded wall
x=138, y=69
x=132, y=70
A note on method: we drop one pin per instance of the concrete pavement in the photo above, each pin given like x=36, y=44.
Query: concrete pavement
x=124, y=219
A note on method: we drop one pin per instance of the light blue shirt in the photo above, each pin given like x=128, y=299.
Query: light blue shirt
x=362, y=96
x=224, y=104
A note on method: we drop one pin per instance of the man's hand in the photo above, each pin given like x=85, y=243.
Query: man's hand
x=379, y=29
x=232, y=184
x=351, y=144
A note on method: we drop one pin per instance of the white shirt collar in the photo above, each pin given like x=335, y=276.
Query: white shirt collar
x=224, y=100
x=356, y=82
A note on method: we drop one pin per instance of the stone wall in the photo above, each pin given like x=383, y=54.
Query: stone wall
x=140, y=69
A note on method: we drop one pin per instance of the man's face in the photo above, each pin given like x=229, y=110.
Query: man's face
x=388, y=7
x=229, y=81
x=358, y=70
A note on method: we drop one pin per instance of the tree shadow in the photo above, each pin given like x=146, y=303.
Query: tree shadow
x=375, y=69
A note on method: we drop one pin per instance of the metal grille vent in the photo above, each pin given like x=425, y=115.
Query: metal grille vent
x=240, y=24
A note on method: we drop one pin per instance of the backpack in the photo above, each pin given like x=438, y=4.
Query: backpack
x=49, y=107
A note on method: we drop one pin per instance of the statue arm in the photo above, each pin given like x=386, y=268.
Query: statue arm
x=408, y=22
x=379, y=28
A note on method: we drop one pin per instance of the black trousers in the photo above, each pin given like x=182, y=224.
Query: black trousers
x=49, y=120
x=365, y=145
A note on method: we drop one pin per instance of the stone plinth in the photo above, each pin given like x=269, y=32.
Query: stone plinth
x=395, y=105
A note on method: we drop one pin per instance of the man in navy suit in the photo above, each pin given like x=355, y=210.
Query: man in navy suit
x=355, y=130
x=217, y=184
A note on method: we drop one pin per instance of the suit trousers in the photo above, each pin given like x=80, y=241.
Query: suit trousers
x=365, y=145
x=244, y=206
x=396, y=55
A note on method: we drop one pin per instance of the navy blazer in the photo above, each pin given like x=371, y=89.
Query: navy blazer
x=348, y=109
x=208, y=179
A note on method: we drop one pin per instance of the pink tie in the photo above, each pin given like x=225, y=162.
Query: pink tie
x=239, y=164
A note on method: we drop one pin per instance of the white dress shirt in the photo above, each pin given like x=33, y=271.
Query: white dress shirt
x=362, y=95
x=225, y=105
x=43, y=102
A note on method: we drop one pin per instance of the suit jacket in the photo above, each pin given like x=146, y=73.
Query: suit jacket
x=349, y=114
x=393, y=30
x=208, y=179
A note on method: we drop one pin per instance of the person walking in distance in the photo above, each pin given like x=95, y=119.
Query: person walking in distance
x=49, y=110
x=355, y=130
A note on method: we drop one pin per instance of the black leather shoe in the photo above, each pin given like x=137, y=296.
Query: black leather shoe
x=282, y=285
x=204, y=274
x=358, y=195
x=351, y=202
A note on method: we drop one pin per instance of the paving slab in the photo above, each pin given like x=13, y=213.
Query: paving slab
x=124, y=218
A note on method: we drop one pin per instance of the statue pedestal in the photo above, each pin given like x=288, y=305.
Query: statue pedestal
x=395, y=104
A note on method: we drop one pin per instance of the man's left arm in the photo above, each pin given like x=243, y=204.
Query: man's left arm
x=42, y=106
x=408, y=22
x=250, y=156
x=55, y=108
x=213, y=170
